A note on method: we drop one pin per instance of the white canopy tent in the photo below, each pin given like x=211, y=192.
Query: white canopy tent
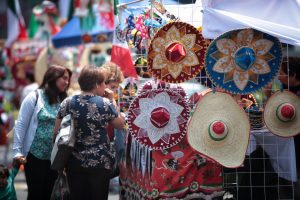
x=275, y=17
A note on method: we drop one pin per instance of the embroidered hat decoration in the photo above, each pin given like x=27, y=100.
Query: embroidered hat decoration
x=176, y=52
x=158, y=119
x=243, y=61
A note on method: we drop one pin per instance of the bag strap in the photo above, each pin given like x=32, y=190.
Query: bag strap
x=36, y=97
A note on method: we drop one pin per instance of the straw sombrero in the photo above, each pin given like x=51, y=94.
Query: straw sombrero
x=219, y=129
x=49, y=56
x=282, y=114
x=158, y=118
x=176, y=52
x=243, y=61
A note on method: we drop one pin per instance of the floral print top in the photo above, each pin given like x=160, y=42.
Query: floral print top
x=41, y=146
x=91, y=115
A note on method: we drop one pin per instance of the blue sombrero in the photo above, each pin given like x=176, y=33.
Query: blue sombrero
x=243, y=61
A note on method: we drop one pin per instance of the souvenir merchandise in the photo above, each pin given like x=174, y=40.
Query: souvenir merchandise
x=176, y=52
x=159, y=84
x=243, y=61
x=282, y=114
x=141, y=67
x=175, y=173
x=50, y=56
x=23, y=56
x=157, y=118
x=219, y=128
x=96, y=54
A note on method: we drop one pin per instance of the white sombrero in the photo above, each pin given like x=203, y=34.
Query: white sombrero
x=220, y=129
x=282, y=114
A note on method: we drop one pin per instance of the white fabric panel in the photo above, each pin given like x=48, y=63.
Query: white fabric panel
x=276, y=17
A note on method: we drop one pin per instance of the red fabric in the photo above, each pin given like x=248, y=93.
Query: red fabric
x=172, y=176
x=287, y=111
x=175, y=52
x=122, y=57
x=110, y=132
x=160, y=117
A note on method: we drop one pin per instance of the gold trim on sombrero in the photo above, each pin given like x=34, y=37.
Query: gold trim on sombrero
x=240, y=76
x=176, y=53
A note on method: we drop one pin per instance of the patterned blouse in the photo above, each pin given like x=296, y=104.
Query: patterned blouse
x=91, y=115
x=41, y=146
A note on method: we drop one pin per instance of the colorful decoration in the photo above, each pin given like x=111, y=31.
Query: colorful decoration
x=141, y=67
x=176, y=53
x=158, y=118
x=243, y=61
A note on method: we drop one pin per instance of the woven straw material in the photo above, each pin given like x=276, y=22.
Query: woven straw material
x=277, y=127
x=229, y=152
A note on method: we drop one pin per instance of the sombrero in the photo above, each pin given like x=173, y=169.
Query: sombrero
x=176, y=52
x=243, y=61
x=158, y=118
x=219, y=128
x=49, y=56
x=141, y=67
x=96, y=54
x=159, y=84
x=282, y=114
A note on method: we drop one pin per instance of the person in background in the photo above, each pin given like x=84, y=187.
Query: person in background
x=289, y=76
x=90, y=165
x=114, y=79
x=33, y=131
x=32, y=85
x=7, y=189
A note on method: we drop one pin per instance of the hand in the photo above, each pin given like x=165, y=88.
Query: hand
x=19, y=161
x=108, y=94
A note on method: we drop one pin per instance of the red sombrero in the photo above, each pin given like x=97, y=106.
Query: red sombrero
x=158, y=118
x=176, y=52
x=159, y=84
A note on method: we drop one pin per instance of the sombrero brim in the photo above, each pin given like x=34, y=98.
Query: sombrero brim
x=41, y=66
x=231, y=151
x=277, y=127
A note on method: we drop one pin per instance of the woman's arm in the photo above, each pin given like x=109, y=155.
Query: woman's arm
x=56, y=128
x=25, y=114
x=118, y=122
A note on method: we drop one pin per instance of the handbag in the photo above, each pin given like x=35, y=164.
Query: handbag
x=64, y=143
x=61, y=189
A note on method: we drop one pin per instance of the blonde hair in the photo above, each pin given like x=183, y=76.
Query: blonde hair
x=113, y=72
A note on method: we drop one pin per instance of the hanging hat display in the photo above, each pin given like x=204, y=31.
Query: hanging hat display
x=282, y=114
x=219, y=128
x=158, y=118
x=141, y=67
x=159, y=84
x=243, y=61
x=176, y=52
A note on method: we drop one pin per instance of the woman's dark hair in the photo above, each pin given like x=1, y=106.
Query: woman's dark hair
x=4, y=171
x=53, y=73
x=89, y=77
x=293, y=63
